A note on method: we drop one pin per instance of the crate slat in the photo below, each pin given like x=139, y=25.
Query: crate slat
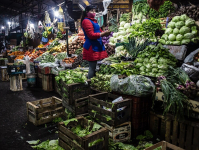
x=189, y=137
x=195, y=139
x=175, y=130
x=182, y=135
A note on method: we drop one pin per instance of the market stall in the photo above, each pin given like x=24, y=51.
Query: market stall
x=148, y=82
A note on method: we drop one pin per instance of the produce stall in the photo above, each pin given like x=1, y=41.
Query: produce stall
x=148, y=82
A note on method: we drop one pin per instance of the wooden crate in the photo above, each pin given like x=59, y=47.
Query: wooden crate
x=44, y=110
x=67, y=138
x=4, y=74
x=71, y=92
x=98, y=101
x=120, y=133
x=47, y=82
x=79, y=108
x=24, y=77
x=164, y=145
x=16, y=83
x=184, y=134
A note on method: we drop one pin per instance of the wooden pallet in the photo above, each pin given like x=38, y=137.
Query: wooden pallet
x=44, y=110
x=104, y=100
x=47, y=82
x=67, y=138
x=164, y=145
x=184, y=134
x=71, y=92
x=16, y=83
x=120, y=133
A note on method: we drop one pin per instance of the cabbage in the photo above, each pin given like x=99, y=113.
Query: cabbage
x=171, y=25
x=154, y=65
x=193, y=28
x=122, y=23
x=162, y=60
x=172, y=37
x=112, y=39
x=163, y=67
x=139, y=64
x=164, y=36
x=176, y=42
x=168, y=42
x=169, y=31
x=148, y=65
x=176, y=19
x=152, y=74
x=146, y=60
x=142, y=68
x=148, y=69
x=115, y=34
x=153, y=60
x=125, y=39
x=188, y=36
x=189, y=22
x=139, y=60
x=184, y=30
x=185, y=41
x=195, y=40
x=194, y=32
x=175, y=31
x=162, y=41
x=179, y=37
x=121, y=28
x=179, y=24
x=112, y=44
x=183, y=17
x=154, y=70
x=119, y=48
x=127, y=25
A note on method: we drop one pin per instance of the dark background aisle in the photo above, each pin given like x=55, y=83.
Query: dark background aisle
x=15, y=129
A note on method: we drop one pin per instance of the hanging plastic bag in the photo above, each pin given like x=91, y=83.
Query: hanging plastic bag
x=106, y=3
x=192, y=71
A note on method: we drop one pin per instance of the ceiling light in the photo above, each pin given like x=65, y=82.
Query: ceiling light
x=32, y=25
x=2, y=27
x=56, y=13
x=9, y=22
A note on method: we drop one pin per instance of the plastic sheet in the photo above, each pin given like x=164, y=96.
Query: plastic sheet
x=190, y=57
x=51, y=65
x=135, y=85
x=192, y=71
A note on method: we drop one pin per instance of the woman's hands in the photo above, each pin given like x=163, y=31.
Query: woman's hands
x=106, y=33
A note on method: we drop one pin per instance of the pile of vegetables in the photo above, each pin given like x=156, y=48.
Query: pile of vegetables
x=113, y=27
x=70, y=60
x=33, y=54
x=79, y=51
x=121, y=51
x=192, y=11
x=123, y=68
x=53, y=44
x=101, y=82
x=61, y=56
x=45, y=58
x=126, y=17
x=143, y=8
x=181, y=30
x=59, y=35
x=76, y=44
x=72, y=76
x=154, y=61
x=105, y=39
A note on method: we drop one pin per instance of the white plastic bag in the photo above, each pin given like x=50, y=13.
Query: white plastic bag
x=192, y=71
x=106, y=3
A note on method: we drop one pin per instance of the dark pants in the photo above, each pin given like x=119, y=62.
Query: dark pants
x=92, y=67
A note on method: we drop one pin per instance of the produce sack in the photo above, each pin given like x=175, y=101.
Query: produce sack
x=190, y=57
x=135, y=85
x=192, y=71
x=178, y=51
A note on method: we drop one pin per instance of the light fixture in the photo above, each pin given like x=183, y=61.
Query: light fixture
x=2, y=27
x=32, y=25
x=56, y=13
x=9, y=22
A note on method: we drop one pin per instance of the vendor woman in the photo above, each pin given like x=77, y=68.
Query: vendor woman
x=94, y=49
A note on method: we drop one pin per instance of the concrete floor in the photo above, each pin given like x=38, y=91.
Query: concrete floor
x=15, y=129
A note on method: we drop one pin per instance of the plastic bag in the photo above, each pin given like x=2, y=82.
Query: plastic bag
x=192, y=71
x=135, y=85
x=27, y=62
x=106, y=3
x=51, y=65
x=178, y=51
x=190, y=57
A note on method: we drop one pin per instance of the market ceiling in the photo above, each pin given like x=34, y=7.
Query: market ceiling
x=12, y=8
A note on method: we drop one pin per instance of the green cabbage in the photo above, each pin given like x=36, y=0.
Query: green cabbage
x=189, y=22
x=162, y=41
x=176, y=42
x=176, y=19
x=169, y=31
x=184, y=30
x=194, y=32
x=163, y=67
x=195, y=40
x=146, y=60
x=139, y=60
x=175, y=31
x=127, y=25
x=188, y=36
x=171, y=25
x=142, y=69
x=154, y=70
x=148, y=65
x=122, y=23
x=172, y=37
x=162, y=60
x=168, y=42
x=194, y=28
x=179, y=24
x=153, y=60
x=154, y=65
x=164, y=36
x=183, y=17
x=179, y=37
x=148, y=69
x=185, y=41
x=111, y=39
x=139, y=64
